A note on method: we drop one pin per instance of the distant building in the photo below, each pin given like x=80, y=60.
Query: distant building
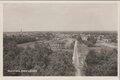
x=84, y=37
x=36, y=38
x=105, y=40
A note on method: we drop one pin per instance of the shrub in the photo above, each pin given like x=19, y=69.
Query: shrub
x=101, y=64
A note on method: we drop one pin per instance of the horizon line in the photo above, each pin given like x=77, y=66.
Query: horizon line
x=69, y=31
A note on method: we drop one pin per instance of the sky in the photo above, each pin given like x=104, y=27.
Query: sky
x=60, y=17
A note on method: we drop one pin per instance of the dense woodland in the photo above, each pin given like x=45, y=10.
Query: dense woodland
x=56, y=63
x=103, y=63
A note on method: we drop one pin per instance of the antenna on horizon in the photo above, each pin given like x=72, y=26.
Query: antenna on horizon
x=21, y=31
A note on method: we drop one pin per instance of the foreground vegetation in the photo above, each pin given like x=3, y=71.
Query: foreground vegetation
x=56, y=62
x=103, y=63
x=40, y=58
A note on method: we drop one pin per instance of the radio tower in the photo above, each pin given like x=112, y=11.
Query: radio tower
x=21, y=31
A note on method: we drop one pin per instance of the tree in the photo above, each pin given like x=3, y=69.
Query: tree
x=10, y=58
x=91, y=41
x=61, y=64
x=101, y=64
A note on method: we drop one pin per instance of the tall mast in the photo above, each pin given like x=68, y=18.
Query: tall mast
x=21, y=30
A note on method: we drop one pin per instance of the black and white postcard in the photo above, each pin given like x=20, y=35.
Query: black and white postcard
x=60, y=39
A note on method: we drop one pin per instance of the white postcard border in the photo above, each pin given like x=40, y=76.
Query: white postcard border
x=54, y=77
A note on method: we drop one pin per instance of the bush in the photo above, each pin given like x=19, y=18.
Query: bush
x=40, y=58
x=101, y=64
x=10, y=58
x=61, y=64
x=91, y=41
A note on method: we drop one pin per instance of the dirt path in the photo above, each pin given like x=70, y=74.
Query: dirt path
x=108, y=45
x=79, y=56
x=76, y=59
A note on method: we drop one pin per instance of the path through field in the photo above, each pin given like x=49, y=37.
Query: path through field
x=79, y=59
x=76, y=59
x=107, y=45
